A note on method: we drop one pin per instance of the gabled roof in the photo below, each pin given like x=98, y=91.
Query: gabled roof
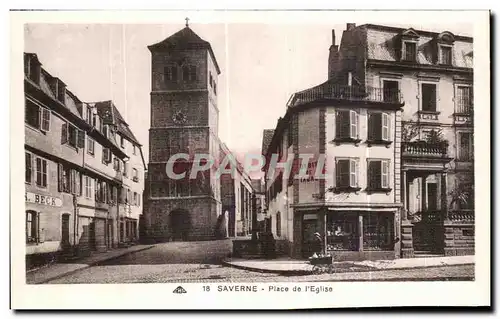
x=185, y=39
x=110, y=114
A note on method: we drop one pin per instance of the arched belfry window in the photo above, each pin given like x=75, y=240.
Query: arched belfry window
x=170, y=73
x=189, y=73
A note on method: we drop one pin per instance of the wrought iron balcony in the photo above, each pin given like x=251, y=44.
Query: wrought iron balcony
x=350, y=93
x=425, y=149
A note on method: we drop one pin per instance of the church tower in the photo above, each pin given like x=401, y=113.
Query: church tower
x=184, y=119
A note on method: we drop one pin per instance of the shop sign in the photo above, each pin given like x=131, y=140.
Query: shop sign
x=42, y=199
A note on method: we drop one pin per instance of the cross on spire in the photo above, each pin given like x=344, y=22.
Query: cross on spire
x=187, y=21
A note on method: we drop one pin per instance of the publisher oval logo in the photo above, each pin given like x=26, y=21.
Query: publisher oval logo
x=179, y=290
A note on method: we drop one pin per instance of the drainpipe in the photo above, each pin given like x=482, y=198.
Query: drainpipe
x=75, y=218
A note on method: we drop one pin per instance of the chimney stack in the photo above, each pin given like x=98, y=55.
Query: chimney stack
x=333, y=36
x=350, y=26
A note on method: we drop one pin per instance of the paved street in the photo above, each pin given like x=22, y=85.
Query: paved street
x=199, y=262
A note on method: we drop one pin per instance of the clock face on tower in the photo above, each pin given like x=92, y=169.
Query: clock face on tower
x=179, y=118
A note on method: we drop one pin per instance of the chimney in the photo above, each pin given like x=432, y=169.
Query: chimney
x=333, y=36
x=350, y=26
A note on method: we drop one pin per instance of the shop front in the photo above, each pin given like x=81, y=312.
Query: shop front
x=352, y=234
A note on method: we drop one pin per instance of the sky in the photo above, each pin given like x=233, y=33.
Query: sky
x=262, y=65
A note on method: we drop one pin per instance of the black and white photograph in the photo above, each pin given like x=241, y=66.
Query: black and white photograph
x=252, y=157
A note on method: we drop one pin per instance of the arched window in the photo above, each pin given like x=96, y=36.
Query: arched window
x=278, y=224
x=31, y=226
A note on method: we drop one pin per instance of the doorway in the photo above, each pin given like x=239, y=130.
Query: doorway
x=432, y=199
x=179, y=225
x=65, y=232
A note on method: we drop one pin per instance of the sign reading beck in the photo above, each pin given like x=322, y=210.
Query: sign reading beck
x=42, y=199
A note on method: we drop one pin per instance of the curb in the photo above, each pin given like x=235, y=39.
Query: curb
x=43, y=281
x=310, y=272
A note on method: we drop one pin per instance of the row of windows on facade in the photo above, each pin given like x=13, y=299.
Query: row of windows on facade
x=33, y=229
x=189, y=74
x=347, y=176
x=463, y=100
x=39, y=117
x=33, y=70
x=97, y=122
x=69, y=181
x=409, y=53
x=343, y=233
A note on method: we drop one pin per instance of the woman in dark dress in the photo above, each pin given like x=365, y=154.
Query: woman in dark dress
x=317, y=244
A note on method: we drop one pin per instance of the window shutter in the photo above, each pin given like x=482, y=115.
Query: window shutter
x=72, y=181
x=78, y=183
x=385, y=174
x=60, y=177
x=64, y=133
x=354, y=124
x=81, y=138
x=385, y=127
x=37, y=227
x=45, y=120
x=353, y=177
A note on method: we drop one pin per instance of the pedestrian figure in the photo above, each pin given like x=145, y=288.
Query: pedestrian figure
x=317, y=244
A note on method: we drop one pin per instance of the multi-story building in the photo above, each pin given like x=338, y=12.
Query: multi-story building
x=434, y=72
x=394, y=123
x=131, y=171
x=348, y=190
x=184, y=120
x=71, y=188
x=236, y=195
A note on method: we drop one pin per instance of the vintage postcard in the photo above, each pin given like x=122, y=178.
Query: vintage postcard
x=250, y=159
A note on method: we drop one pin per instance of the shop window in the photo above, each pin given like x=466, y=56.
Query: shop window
x=342, y=232
x=378, y=231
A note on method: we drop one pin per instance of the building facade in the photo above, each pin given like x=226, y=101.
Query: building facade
x=71, y=188
x=348, y=190
x=394, y=122
x=434, y=72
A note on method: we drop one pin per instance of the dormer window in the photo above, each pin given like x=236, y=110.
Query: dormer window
x=409, y=40
x=61, y=92
x=410, y=49
x=32, y=68
x=445, y=54
x=445, y=42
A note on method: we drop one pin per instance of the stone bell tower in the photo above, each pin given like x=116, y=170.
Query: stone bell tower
x=184, y=119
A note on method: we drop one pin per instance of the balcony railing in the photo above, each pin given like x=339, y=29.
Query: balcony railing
x=461, y=216
x=349, y=93
x=464, y=106
x=422, y=148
